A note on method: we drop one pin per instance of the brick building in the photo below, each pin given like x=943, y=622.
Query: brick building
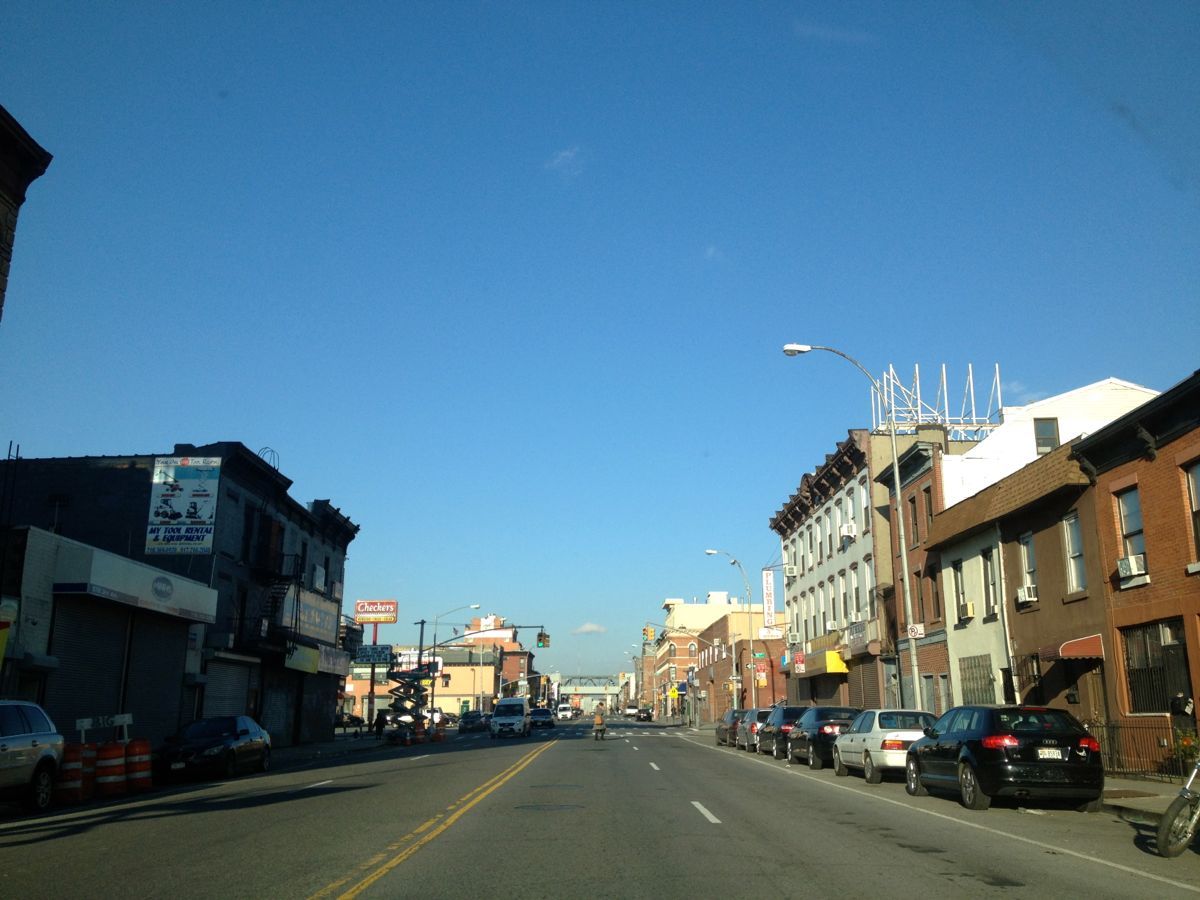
x=22, y=161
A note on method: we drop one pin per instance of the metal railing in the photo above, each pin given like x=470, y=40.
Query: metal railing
x=1150, y=749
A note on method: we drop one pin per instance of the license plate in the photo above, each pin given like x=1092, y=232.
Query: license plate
x=1050, y=753
x=176, y=765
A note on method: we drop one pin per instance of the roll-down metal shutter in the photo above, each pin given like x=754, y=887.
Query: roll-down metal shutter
x=89, y=641
x=225, y=693
x=155, y=688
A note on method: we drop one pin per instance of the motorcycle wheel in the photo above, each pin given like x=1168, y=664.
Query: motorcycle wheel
x=1175, y=828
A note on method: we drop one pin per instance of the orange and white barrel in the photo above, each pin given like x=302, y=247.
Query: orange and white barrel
x=137, y=766
x=110, y=769
x=89, y=771
x=68, y=786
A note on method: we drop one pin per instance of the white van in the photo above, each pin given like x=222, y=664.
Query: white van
x=564, y=711
x=510, y=716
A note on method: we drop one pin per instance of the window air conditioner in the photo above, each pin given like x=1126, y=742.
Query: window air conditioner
x=793, y=637
x=791, y=571
x=831, y=627
x=848, y=532
x=1129, y=566
x=1027, y=594
x=966, y=610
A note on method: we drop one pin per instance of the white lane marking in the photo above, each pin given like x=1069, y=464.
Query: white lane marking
x=815, y=779
x=655, y=768
x=415, y=758
x=627, y=740
x=704, y=812
x=319, y=784
x=635, y=748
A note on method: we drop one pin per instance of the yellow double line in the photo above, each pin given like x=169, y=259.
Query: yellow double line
x=428, y=830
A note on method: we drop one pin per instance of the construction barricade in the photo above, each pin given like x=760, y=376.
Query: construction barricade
x=110, y=769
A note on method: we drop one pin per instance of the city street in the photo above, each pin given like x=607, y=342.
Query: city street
x=651, y=811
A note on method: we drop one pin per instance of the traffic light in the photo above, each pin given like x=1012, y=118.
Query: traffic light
x=543, y=639
x=645, y=633
x=649, y=629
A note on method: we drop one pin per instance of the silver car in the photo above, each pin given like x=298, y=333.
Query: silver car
x=31, y=751
x=877, y=740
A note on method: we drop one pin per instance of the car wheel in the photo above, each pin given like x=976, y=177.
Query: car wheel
x=41, y=789
x=871, y=775
x=912, y=779
x=265, y=763
x=970, y=792
x=839, y=767
x=230, y=765
x=775, y=751
x=814, y=761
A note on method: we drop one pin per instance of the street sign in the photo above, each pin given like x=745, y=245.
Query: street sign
x=760, y=655
x=770, y=634
x=374, y=654
x=916, y=630
x=673, y=693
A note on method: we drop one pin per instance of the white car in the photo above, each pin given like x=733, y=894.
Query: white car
x=565, y=712
x=877, y=740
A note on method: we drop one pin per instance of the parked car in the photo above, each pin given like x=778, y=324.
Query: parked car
x=471, y=720
x=347, y=720
x=631, y=711
x=541, y=718
x=878, y=741
x=31, y=752
x=772, y=736
x=222, y=745
x=727, y=726
x=813, y=734
x=747, y=733
x=645, y=714
x=981, y=752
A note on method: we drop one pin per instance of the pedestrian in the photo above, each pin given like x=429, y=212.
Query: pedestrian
x=380, y=723
x=598, y=726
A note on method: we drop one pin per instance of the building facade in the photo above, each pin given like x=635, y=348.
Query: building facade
x=22, y=161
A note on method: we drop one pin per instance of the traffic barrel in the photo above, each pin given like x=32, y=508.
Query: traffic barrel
x=89, y=771
x=110, y=769
x=137, y=765
x=68, y=786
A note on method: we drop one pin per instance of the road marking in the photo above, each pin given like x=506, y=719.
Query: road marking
x=627, y=740
x=415, y=758
x=431, y=828
x=704, y=812
x=655, y=768
x=796, y=772
x=319, y=784
x=635, y=748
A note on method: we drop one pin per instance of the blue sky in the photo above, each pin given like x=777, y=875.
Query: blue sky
x=508, y=282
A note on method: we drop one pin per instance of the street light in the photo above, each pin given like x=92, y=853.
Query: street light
x=433, y=649
x=796, y=350
x=749, y=621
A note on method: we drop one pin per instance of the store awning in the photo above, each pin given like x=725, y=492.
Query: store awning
x=1090, y=647
x=823, y=662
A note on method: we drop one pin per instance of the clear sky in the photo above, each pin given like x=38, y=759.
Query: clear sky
x=508, y=282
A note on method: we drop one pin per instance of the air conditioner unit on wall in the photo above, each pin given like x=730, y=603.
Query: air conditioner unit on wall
x=791, y=571
x=848, y=532
x=966, y=610
x=793, y=637
x=1027, y=594
x=1129, y=566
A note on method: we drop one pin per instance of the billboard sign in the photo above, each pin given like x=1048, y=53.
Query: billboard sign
x=183, y=504
x=376, y=612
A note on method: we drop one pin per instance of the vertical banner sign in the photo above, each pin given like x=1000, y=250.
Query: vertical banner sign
x=768, y=595
x=183, y=504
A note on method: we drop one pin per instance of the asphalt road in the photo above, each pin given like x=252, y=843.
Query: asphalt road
x=649, y=812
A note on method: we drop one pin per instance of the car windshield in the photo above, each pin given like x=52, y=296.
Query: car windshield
x=1018, y=720
x=203, y=729
x=910, y=720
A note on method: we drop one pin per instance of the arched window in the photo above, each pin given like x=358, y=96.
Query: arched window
x=691, y=649
x=671, y=649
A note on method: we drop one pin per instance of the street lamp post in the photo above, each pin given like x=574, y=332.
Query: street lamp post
x=796, y=350
x=749, y=622
x=433, y=649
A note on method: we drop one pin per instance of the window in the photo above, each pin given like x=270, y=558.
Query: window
x=990, y=592
x=912, y=520
x=820, y=543
x=1193, y=484
x=865, y=496
x=1073, y=540
x=927, y=492
x=671, y=650
x=856, y=586
x=844, y=595
x=1045, y=434
x=960, y=594
x=691, y=649
x=851, y=509
x=869, y=587
x=1156, y=665
x=837, y=517
x=935, y=592
x=811, y=563
x=1129, y=508
x=1028, y=559
x=829, y=532
x=821, y=608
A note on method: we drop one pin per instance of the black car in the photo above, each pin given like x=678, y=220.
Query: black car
x=773, y=733
x=541, y=718
x=813, y=734
x=727, y=725
x=644, y=714
x=472, y=720
x=347, y=720
x=981, y=752
x=223, y=745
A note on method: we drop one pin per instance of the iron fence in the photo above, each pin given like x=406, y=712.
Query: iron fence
x=1150, y=749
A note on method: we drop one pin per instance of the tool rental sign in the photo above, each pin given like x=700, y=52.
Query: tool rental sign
x=183, y=504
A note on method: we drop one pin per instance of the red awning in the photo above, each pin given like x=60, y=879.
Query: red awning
x=1090, y=647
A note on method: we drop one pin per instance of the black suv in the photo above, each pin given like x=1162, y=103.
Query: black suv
x=814, y=733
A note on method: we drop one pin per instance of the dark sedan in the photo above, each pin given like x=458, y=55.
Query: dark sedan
x=981, y=752
x=472, y=720
x=645, y=714
x=727, y=725
x=541, y=718
x=773, y=735
x=813, y=734
x=224, y=745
